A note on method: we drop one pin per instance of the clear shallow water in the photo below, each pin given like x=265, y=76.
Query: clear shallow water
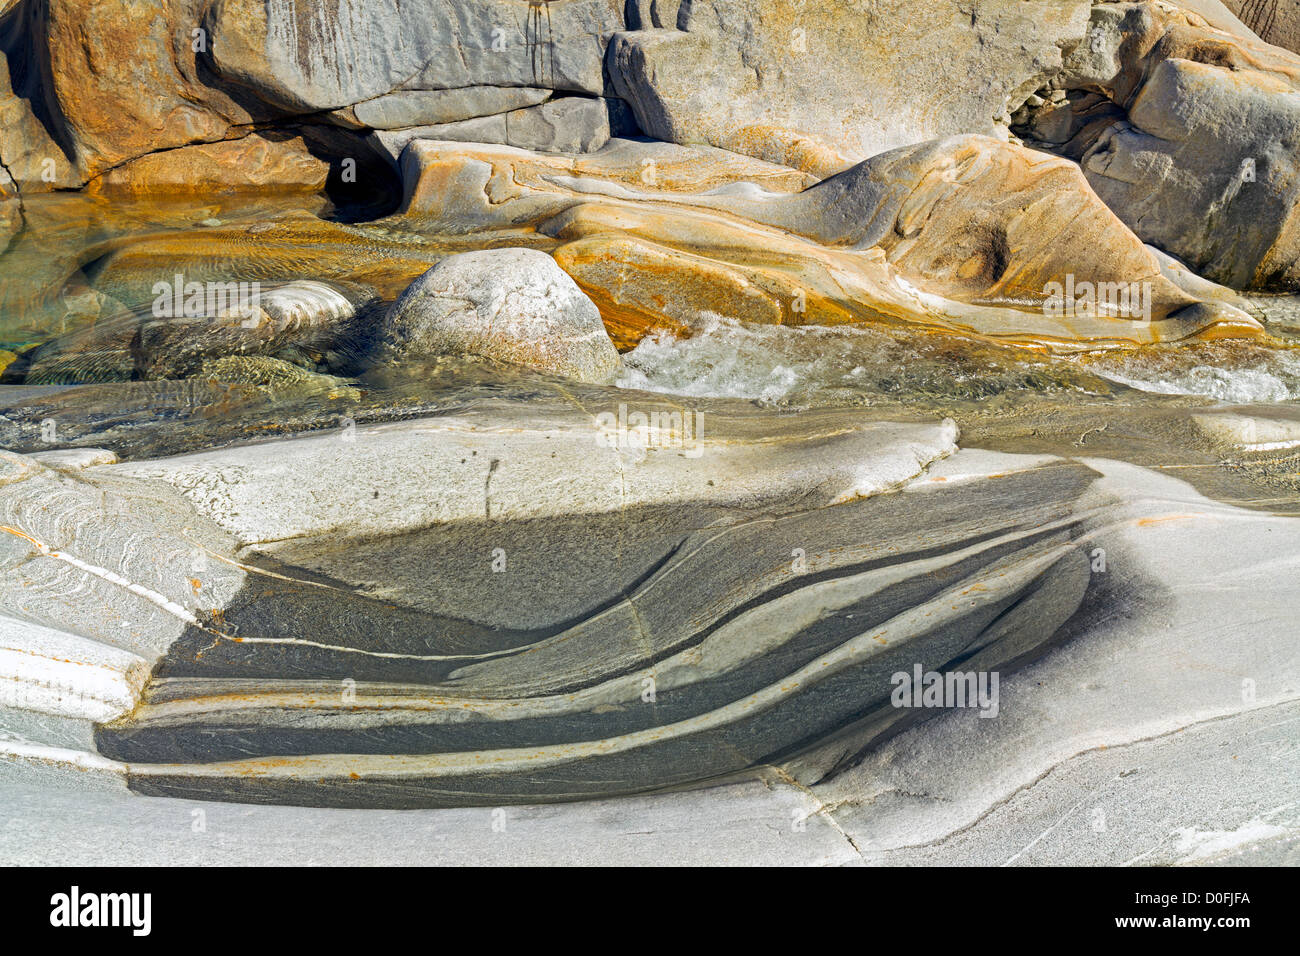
x=817, y=366
x=1232, y=374
x=77, y=276
x=782, y=366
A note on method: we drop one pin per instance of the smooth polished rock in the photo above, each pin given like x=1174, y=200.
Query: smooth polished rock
x=59, y=817
x=256, y=322
x=59, y=674
x=805, y=613
x=546, y=464
x=1077, y=763
x=1185, y=128
x=134, y=544
x=820, y=87
x=1247, y=429
x=105, y=85
x=120, y=563
x=969, y=233
x=1155, y=660
x=569, y=124
x=29, y=151
x=251, y=163
x=510, y=305
x=406, y=108
x=323, y=56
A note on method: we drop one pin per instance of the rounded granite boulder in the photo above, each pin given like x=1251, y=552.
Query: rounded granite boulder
x=509, y=305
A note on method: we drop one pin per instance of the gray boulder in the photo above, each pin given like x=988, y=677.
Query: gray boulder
x=511, y=305
x=822, y=86
x=324, y=56
x=573, y=124
x=1187, y=130
x=569, y=124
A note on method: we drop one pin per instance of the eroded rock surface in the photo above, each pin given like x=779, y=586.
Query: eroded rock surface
x=321, y=56
x=968, y=233
x=251, y=163
x=1187, y=130
x=1276, y=21
x=821, y=87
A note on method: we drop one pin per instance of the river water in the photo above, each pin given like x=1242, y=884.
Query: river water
x=78, y=275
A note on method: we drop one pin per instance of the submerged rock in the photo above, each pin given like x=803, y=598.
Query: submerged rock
x=295, y=314
x=511, y=305
x=275, y=374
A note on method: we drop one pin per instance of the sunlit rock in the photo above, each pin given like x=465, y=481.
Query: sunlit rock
x=1187, y=131
x=823, y=86
x=406, y=108
x=1276, y=21
x=968, y=233
x=512, y=305
x=252, y=163
x=568, y=124
x=319, y=56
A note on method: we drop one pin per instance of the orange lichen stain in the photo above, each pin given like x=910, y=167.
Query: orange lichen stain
x=355, y=776
x=1148, y=522
x=196, y=584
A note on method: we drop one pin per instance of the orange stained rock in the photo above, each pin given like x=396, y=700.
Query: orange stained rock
x=253, y=163
x=980, y=229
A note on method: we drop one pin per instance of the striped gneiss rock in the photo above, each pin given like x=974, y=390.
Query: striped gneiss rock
x=394, y=527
